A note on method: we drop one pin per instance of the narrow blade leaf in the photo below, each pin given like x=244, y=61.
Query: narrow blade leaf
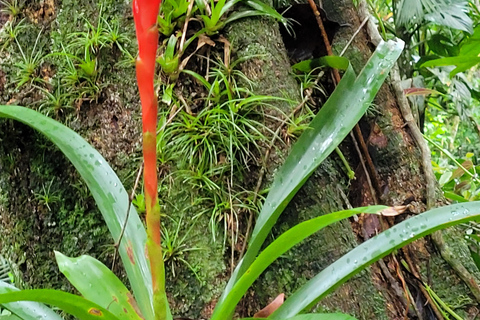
x=373, y=250
x=98, y=283
x=329, y=61
x=278, y=247
x=70, y=303
x=333, y=122
x=109, y=193
x=27, y=310
x=471, y=46
x=471, y=60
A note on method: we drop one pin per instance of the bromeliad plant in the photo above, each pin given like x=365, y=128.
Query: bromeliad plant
x=213, y=17
x=216, y=20
x=105, y=297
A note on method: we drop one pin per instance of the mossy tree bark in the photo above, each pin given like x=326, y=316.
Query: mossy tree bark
x=32, y=227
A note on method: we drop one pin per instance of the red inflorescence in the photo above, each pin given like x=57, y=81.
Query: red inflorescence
x=145, y=14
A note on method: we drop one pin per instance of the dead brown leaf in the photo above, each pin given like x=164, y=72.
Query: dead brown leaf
x=393, y=211
x=274, y=305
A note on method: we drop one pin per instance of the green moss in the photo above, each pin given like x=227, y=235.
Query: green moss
x=33, y=170
x=195, y=273
x=446, y=285
x=260, y=39
x=30, y=227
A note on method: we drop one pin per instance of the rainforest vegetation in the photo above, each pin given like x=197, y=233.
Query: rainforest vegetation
x=229, y=159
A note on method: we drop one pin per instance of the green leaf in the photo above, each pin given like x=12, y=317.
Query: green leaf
x=167, y=96
x=170, y=50
x=27, y=310
x=5, y=269
x=335, y=62
x=461, y=67
x=462, y=62
x=451, y=61
x=408, y=11
x=442, y=45
x=70, y=303
x=98, y=283
x=476, y=259
x=444, y=178
x=316, y=316
x=198, y=77
x=267, y=10
x=449, y=13
x=333, y=122
x=452, y=15
x=471, y=46
x=109, y=193
x=455, y=197
x=7, y=315
x=372, y=250
x=278, y=247
x=224, y=6
x=243, y=14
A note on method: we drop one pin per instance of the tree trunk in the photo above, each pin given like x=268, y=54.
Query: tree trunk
x=32, y=226
x=378, y=292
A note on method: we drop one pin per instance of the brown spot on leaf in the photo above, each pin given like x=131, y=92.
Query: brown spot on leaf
x=130, y=252
x=133, y=303
x=95, y=312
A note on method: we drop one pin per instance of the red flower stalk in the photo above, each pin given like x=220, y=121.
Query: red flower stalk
x=145, y=14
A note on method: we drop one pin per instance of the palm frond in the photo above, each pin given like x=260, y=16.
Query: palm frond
x=449, y=13
x=5, y=270
x=409, y=12
x=452, y=15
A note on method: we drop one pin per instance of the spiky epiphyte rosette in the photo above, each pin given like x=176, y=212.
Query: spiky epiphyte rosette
x=145, y=14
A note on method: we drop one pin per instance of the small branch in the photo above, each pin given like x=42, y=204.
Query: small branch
x=185, y=25
x=353, y=36
x=413, y=270
x=364, y=167
x=372, y=31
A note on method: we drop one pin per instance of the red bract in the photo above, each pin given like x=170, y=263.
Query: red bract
x=145, y=13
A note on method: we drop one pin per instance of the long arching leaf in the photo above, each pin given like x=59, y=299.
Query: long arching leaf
x=334, y=121
x=98, y=283
x=75, y=305
x=27, y=310
x=277, y=248
x=373, y=250
x=109, y=193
